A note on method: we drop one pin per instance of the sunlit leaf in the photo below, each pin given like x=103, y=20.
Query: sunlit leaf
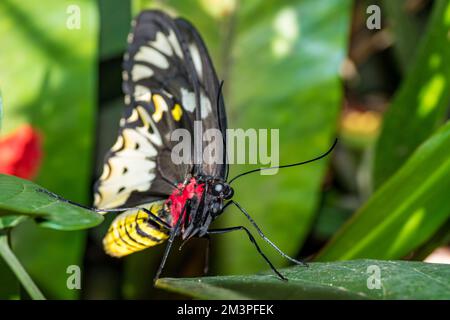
x=358, y=279
x=405, y=27
x=421, y=104
x=115, y=23
x=405, y=212
x=22, y=197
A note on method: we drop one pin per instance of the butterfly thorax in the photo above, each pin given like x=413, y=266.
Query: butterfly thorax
x=192, y=191
x=198, y=201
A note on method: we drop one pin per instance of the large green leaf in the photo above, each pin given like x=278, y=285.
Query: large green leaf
x=422, y=102
x=405, y=212
x=48, y=79
x=405, y=28
x=280, y=62
x=337, y=280
x=22, y=197
x=115, y=24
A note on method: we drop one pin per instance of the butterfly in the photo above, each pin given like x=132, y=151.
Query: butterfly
x=169, y=83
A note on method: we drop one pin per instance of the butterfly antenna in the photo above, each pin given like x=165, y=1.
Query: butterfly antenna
x=263, y=236
x=287, y=165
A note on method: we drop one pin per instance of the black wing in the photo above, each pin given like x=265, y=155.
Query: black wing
x=169, y=82
x=214, y=118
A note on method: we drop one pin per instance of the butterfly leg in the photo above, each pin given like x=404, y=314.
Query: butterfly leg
x=252, y=239
x=150, y=214
x=173, y=234
x=207, y=252
x=264, y=236
x=58, y=197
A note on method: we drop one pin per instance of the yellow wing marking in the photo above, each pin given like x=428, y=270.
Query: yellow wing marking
x=177, y=112
x=143, y=115
x=160, y=107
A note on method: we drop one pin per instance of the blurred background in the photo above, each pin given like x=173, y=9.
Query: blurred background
x=375, y=74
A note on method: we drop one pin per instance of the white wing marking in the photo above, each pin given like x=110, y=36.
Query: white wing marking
x=196, y=59
x=141, y=72
x=206, y=105
x=188, y=99
x=142, y=93
x=174, y=43
x=150, y=55
x=162, y=44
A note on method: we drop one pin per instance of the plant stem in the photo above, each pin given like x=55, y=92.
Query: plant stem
x=18, y=269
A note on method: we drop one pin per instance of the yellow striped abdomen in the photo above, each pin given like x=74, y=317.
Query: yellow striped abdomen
x=134, y=230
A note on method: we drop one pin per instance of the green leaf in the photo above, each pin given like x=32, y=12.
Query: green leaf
x=8, y=221
x=48, y=79
x=422, y=102
x=404, y=213
x=115, y=17
x=335, y=280
x=19, y=196
x=405, y=27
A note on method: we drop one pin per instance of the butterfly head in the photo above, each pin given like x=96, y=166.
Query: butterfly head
x=221, y=189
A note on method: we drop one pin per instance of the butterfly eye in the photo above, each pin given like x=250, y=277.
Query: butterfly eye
x=228, y=194
x=218, y=188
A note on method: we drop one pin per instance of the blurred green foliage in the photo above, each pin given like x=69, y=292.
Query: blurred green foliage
x=421, y=104
x=405, y=212
x=406, y=30
x=115, y=17
x=1, y=110
x=48, y=79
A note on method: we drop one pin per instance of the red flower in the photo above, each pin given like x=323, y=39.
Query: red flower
x=21, y=152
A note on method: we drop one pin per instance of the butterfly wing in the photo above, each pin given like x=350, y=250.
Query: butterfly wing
x=169, y=82
x=212, y=112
